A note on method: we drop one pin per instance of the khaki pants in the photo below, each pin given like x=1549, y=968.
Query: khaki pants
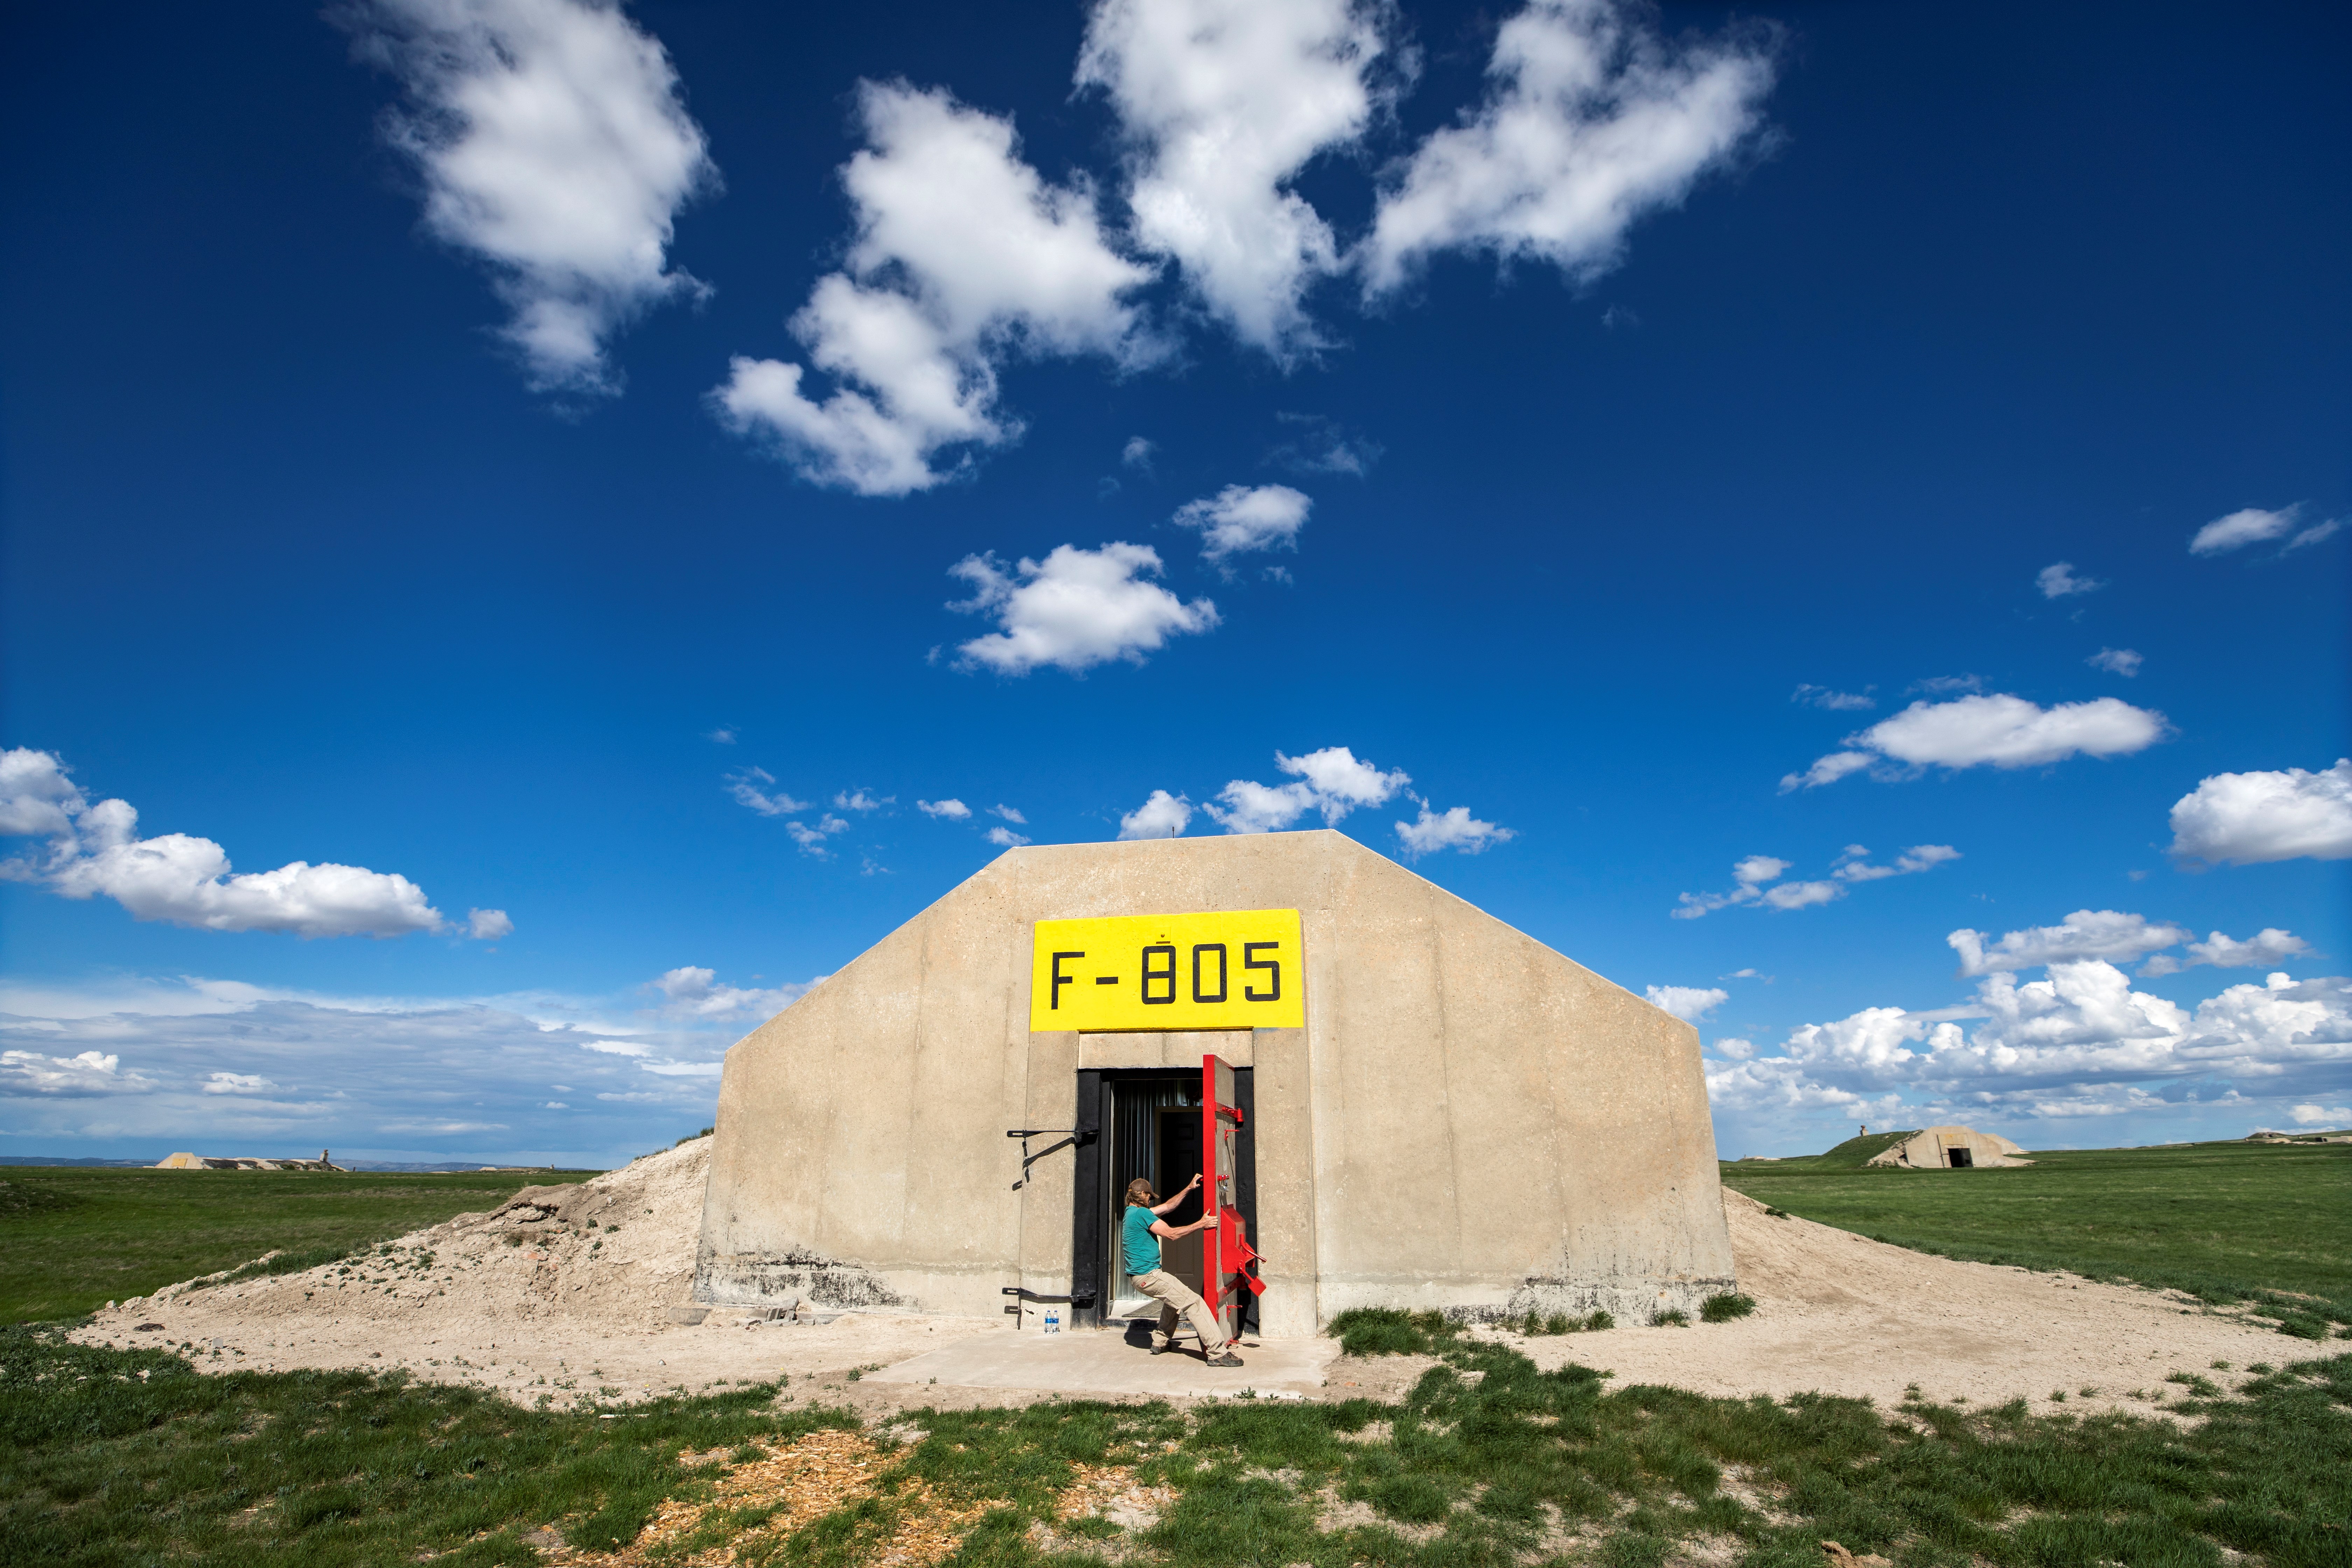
x=1174, y=1296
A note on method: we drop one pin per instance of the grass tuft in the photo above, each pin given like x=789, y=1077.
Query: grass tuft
x=1669, y=1318
x=1385, y=1331
x=1723, y=1307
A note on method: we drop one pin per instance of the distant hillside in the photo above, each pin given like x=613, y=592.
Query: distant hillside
x=1851, y=1155
x=1855, y=1152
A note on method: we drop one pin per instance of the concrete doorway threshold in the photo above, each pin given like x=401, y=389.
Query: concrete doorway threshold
x=1107, y=1364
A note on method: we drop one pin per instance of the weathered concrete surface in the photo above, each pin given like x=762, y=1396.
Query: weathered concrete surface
x=1111, y=1364
x=1932, y=1149
x=1469, y=1120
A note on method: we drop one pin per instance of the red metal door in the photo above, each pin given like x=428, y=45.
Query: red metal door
x=1226, y=1276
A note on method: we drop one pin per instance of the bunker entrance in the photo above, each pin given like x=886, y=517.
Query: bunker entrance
x=1962, y=1159
x=1155, y=1133
x=1147, y=1123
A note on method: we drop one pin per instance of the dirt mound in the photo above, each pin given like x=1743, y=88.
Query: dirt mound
x=615, y=1251
x=1841, y=1314
x=565, y=1292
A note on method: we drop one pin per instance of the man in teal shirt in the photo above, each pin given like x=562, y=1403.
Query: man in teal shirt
x=1140, y=1231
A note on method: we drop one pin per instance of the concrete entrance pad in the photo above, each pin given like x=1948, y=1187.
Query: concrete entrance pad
x=1107, y=1364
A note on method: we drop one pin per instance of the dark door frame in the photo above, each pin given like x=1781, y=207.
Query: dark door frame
x=1091, y=1205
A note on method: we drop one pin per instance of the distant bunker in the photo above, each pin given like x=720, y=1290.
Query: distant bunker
x=1950, y=1149
x=186, y=1162
x=1396, y=1100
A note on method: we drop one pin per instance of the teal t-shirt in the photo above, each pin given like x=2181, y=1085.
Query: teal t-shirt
x=1136, y=1241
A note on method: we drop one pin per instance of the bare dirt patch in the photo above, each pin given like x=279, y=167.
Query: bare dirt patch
x=1839, y=1313
x=567, y=1294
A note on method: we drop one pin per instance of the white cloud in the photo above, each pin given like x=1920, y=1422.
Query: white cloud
x=1689, y=1003
x=1854, y=867
x=1590, y=120
x=747, y=789
x=1240, y=518
x=952, y=809
x=95, y=849
x=1452, y=829
x=1801, y=895
x=36, y=798
x=1321, y=446
x=1078, y=609
x=1163, y=816
x=1340, y=782
x=724, y=737
x=2057, y=580
x=555, y=145
x=1835, y=702
x=2330, y=1116
x=2108, y=934
x=1005, y=837
x=1757, y=881
x=1136, y=453
x=2121, y=661
x=2313, y=535
x=1252, y=807
x=810, y=837
x=2251, y=818
x=1827, y=769
x=2008, y=731
x=2000, y=731
x=2251, y=525
x=1750, y=876
x=694, y=992
x=1223, y=102
x=1332, y=780
x=964, y=257
x=2266, y=949
x=861, y=800
x=237, y=1083
x=186, y=880
x=2081, y=1043
x=488, y=925
x=1938, y=685
x=88, y=1074
x=1008, y=814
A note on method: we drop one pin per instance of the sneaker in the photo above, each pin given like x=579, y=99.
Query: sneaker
x=1163, y=1350
x=1227, y=1358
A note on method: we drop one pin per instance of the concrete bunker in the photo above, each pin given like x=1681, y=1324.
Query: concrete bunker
x=1451, y=1116
x=1950, y=1149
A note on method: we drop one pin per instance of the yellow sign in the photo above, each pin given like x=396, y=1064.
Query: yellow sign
x=1233, y=969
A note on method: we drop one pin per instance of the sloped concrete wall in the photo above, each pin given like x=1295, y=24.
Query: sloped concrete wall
x=1468, y=1122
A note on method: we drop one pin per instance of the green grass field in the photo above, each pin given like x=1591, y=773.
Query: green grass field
x=2229, y=1221
x=124, y=1458
x=74, y=1238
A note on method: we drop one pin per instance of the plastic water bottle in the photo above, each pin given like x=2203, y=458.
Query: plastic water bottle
x=1053, y=1320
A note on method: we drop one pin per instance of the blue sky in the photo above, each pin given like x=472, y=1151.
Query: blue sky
x=535, y=452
